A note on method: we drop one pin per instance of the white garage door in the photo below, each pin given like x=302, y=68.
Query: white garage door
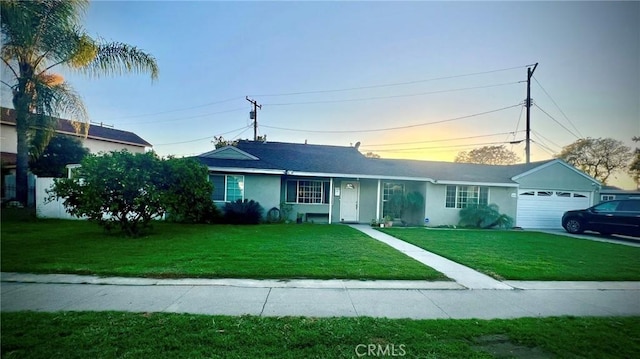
x=544, y=208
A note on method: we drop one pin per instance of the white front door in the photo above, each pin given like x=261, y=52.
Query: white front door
x=349, y=201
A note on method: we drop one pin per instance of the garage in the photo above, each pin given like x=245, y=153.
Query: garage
x=544, y=208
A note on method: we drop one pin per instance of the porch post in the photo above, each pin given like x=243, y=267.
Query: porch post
x=330, y=199
x=378, y=202
x=426, y=188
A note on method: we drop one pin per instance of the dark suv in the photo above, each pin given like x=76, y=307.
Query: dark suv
x=611, y=217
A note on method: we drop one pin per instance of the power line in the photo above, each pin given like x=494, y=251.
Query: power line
x=440, y=140
x=558, y=107
x=391, y=96
x=386, y=85
x=546, y=149
x=185, y=118
x=546, y=138
x=201, y=139
x=436, y=147
x=556, y=121
x=177, y=110
x=393, y=128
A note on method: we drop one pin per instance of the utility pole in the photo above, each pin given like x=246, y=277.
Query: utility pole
x=254, y=116
x=528, y=104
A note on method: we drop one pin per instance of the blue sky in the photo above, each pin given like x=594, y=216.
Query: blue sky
x=362, y=66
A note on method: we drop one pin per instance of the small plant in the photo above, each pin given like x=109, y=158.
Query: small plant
x=374, y=223
x=299, y=217
x=242, y=212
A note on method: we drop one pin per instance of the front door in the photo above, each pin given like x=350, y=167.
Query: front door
x=349, y=201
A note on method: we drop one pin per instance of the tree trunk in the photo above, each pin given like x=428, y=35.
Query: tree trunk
x=21, y=106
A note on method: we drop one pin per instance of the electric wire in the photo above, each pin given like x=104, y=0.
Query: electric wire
x=392, y=128
x=179, y=109
x=391, y=96
x=545, y=138
x=389, y=84
x=558, y=107
x=439, y=140
x=365, y=149
x=556, y=121
x=544, y=148
x=184, y=118
x=200, y=139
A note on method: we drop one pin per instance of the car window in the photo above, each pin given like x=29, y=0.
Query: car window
x=606, y=206
x=629, y=206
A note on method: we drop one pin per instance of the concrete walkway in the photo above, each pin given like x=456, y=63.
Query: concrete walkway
x=261, y=299
x=463, y=275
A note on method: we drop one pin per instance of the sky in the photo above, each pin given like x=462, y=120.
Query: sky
x=420, y=80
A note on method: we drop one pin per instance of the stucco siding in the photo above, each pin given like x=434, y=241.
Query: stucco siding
x=368, y=199
x=439, y=214
x=435, y=209
x=505, y=198
x=263, y=189
x=558, y=177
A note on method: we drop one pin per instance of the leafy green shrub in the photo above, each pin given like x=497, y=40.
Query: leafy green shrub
x=125, y=190
x=187, y=192
x=242, y=212
x=483, y=216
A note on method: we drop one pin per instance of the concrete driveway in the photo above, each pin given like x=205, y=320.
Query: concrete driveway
x=594, y=236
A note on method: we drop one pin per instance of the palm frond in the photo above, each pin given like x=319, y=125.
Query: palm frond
x=117, y=58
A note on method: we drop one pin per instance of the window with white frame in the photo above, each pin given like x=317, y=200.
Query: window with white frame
x=388, y=190
x=607, y=197
x=227, y=188
x=307, y=191
x=465, y=196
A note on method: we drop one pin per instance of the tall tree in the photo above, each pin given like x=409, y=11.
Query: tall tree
x=38, y=36
x=488, y=155
x=597, y=157
x=634, y=167
x=61, y=151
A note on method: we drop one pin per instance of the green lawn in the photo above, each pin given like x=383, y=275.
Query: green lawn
x=162, y=335
x=520, y=255
x=206, y=251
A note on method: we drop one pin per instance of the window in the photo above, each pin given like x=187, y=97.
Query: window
x=227, y=188
x=313, y=192
x=465, y=196
x=607, y=197
x=606, y=207
x=563, y=194
x=388, y=190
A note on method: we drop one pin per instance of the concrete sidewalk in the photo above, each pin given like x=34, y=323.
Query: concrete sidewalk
x=319, y=302
x=463, y=275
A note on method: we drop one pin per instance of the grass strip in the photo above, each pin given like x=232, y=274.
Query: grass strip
x=163, y=335
x=524, y=255
x=276, y=251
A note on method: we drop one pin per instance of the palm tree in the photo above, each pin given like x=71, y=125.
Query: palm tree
x=38, y=36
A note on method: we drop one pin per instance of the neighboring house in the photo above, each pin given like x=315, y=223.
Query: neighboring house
x=339, y=184
x=608, y=193
x=99, y=139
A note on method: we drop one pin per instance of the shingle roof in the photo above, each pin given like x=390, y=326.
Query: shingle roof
x=8, y=116
x=338, y=160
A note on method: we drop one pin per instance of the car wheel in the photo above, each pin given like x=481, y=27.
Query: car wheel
x=573, y=225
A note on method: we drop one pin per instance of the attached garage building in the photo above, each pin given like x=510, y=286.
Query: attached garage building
x=547, y=191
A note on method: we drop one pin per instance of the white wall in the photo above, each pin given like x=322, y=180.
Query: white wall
x=8, y=139
x=45, y=209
